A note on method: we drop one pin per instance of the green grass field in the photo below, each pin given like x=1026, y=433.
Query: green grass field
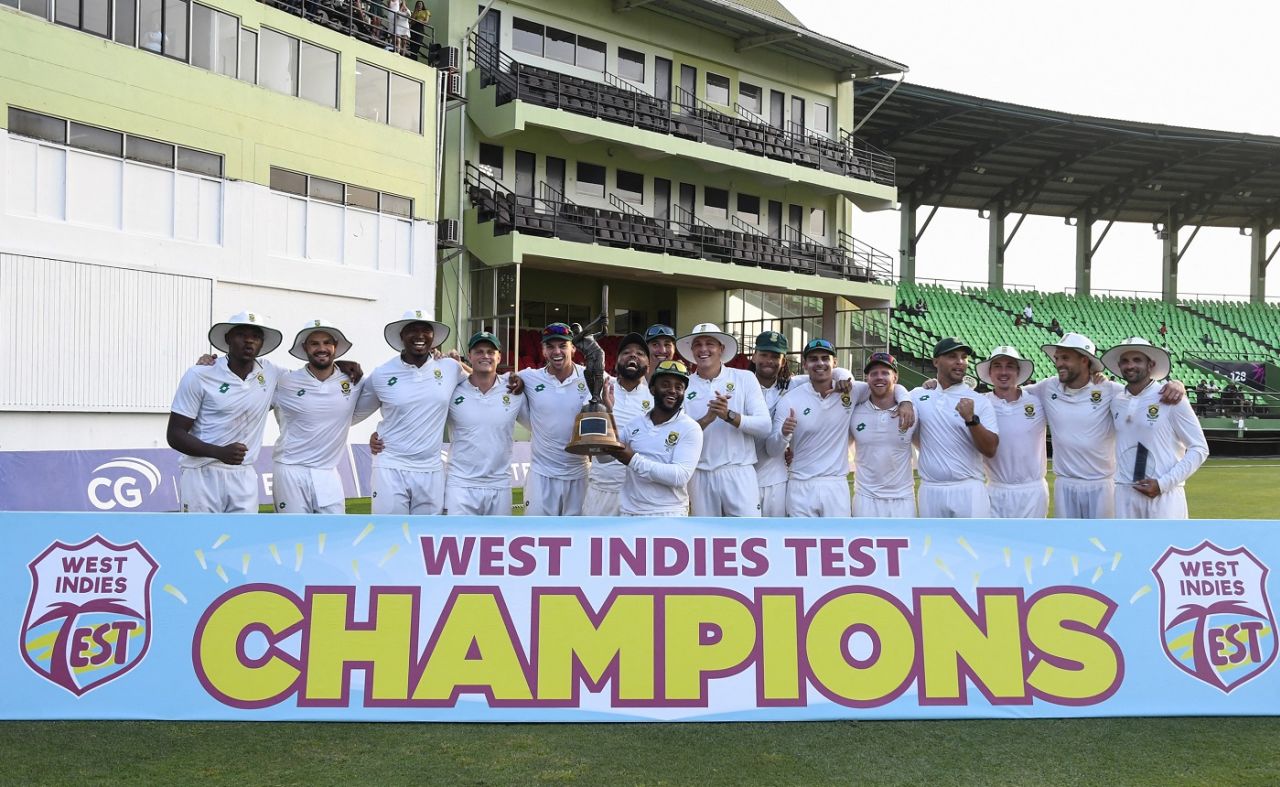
x=1158, y=752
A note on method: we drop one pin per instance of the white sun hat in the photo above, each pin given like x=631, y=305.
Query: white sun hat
x=271, y=338
x=297, y=351
x=1025, y=367
x=1111, y=359
x=1081, y=344
x=685, y=343
x=392, y=332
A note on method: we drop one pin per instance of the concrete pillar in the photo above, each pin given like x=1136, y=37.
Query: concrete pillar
x=995, y=250
x=1084, y=256
x=907, y=240
x=1258, y=263
x=1169, y=265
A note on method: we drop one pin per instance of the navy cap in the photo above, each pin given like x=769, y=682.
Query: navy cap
x=771, y=342
x=950, y=344
x=633, y=338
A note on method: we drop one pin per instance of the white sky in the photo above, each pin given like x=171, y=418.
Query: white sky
x=1200, y=64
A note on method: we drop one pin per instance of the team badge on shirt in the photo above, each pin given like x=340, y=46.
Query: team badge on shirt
x=459, y=400
x=506, y=399
x=1029, y=410
x=582, y=386
x=262, y=380
x=644, y=405
x=673, y=438
x=346, y=388
x=1095, y=396
x=729, y=387
x=438, y=375
x=224, y=387
x=1153, y=412
x=845, y=400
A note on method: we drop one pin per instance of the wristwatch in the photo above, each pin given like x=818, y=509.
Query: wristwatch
x=973, y=422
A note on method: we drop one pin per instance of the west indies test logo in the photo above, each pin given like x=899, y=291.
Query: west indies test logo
x=1215, y=619
x=89, y=617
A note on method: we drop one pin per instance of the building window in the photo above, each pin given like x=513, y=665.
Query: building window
x=591, y=54
x=491, y=160
x=298, y=68
x=91, y=16
x=751, y=98
x=327, y=190
x=631, y=64
x=38, y=8
x=126, y=24
x=717, y=89
x=162, y=27
x=716, y=202
x=97, y=140
x=590, y=179
x=387, y=97
x=248, y=56
x=36, y=126
x=318, y=74
x=749, y=208
x=214, y=40
x=526, y=36
x=821, y=118
x=560, y=45
x=631, y=186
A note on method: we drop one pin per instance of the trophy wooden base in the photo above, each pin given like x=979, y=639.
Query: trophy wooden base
x=593, y=434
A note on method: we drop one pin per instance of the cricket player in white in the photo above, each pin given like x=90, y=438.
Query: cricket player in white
x=554, y=395
x=769, y=363
x=660, y=449
x=1170, y=434
x=662, y=344
x=883, y=483
x=1015, y=475
x=627, y=395
x=314, y=406
x=413, y=390
x=729, y=406
x=957, y=429
x=482, y=417
x=218, y=416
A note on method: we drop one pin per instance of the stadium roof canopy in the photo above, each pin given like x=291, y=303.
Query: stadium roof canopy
x=767, y=23
x=959, y=151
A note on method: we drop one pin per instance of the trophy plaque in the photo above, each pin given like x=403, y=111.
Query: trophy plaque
x=594, y=431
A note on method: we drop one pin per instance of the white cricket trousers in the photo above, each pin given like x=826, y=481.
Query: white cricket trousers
x=1019, y=501
x=731, y=490
x=826, y=496
x=773, y=500
x=960, y=500
x=600, y=501
x=218, y=489
x=477, y=500
x=307, y=490
x=1074, y=499
x=407, y=491
x=1132, y=504
x=545, y=496
x=884, y=508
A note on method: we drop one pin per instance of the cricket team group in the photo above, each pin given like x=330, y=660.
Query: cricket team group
x=697, y=437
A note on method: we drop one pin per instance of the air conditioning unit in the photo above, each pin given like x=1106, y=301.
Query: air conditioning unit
x=449, y=233
x=453, y=85
x=450, y=59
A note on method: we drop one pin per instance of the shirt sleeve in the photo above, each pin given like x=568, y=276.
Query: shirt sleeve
x=186, y=402
x=367, y=404
x=983, y=409
x=684, y=460
x=755, y=413
x=1187, y=427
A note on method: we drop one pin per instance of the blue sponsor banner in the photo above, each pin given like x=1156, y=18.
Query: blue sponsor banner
x=518, y=619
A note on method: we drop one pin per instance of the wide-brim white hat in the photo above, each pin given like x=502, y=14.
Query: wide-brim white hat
x=1025, y=367
x=1111, y=358
x=1081, y=344
x=299, y=352
x=271, y=338
x=392, y=332
x=685, y=343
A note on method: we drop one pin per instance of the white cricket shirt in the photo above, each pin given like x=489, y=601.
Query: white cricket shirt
x=722, y=444
x=415, y=403
x=1080, y=422
x=627, y=406
x=225, y=408
x=947, y=452
x=883, y=455
x=314, y=416
x=481, y=434
x=553, y=407
x=1171, y=432
x=657, y=478
x=820, y=443
x=1021, y=457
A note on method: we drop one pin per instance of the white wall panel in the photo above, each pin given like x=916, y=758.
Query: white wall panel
x=21, y=178
x=93, y=338
x=362, y=239
x=186, y=198
x=324, y=232
x=51, y=179
x=148, y=200
x=95, y=196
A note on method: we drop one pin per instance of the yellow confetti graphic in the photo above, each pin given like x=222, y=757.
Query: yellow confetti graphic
x=1097, y=574
x=363, y=534
x=222, y=539
x=275, y=553
x=945, y=568
x=1142, y=591
x=408, y=539
x=1075, y=565
x=1026, y=566
x=297, y=556
x=390, y=554
x=1097, y=543
x=321, y=539
x=977, y=577
x=928, y=542
x=244, y=563
x=1008, y=557
x=964, y=544
x=1115, y=561
x=173, y=591
x=200, y=557
x=1048, y=553
x=355, y=569
x=222, y=573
